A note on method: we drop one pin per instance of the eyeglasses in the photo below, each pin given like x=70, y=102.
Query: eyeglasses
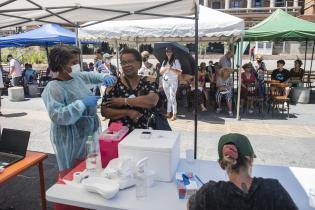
x=124, y=63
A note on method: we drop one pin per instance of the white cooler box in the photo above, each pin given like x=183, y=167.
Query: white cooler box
x=161, y=148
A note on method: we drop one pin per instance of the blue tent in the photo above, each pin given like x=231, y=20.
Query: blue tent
x=46, y=35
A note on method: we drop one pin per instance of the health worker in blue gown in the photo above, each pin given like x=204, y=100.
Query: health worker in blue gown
x=71, y=106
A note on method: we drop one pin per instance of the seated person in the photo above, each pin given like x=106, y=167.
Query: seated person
x=85, y=67
x=224, y=89
x=201, y=98
x=242, y=191
x=281, y=74
x=203, y=77
x=217, y=68
x=147, y=69
x=183, y=91
x=29, y=74
x=297, y=74
x=248, y=84
x=260, y=71
x=91, y=66
x=210, y=67
x=133, y=99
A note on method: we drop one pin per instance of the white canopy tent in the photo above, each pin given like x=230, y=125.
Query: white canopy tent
x=212, y=25
x=77, y=12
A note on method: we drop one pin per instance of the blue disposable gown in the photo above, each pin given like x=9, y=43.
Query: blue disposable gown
x=72, y=121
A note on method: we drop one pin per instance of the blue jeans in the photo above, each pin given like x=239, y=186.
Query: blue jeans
x=261, y=89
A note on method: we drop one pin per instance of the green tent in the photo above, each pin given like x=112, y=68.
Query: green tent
x=281, y=26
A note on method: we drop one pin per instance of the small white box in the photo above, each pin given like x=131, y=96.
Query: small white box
x=161, y=148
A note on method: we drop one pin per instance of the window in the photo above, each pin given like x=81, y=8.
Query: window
x=258, y=3
x=280, y=3
x=216, y=4
x=236, y=4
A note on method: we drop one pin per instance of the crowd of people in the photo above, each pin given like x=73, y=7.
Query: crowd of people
x=133, y=94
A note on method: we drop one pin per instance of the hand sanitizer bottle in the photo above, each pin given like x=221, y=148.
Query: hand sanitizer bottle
x=92, y=154
x=141, y=179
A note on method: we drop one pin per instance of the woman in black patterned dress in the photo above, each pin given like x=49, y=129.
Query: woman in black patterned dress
x=133, y=99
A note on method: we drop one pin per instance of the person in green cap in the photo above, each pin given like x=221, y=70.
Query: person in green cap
x=242, y=191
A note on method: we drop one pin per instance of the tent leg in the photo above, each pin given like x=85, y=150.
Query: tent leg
x=137, y=44
x=196, y=80
x=305, y=54
x=47, y=52
x=239, y=81
x=77, y=35
x=117, y=55
x=312, y=57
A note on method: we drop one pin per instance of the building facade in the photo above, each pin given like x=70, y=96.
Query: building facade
x=254, y=11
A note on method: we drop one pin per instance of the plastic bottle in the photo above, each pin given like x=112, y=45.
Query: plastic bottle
x=141, y=179
x=92, y=155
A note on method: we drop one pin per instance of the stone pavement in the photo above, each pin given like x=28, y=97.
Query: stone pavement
x=276, y=141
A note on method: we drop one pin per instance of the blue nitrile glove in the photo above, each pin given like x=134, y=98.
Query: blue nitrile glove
x=185, y=179
x=90, y=100
x=109, y=81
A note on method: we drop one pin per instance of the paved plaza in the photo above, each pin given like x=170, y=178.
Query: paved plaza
x=276, y=141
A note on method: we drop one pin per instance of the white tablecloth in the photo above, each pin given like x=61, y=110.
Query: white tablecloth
x=297, y=181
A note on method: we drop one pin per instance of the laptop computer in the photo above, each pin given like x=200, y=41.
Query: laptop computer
x=13, y=146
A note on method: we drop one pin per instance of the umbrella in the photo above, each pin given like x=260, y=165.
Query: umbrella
x=187, y=62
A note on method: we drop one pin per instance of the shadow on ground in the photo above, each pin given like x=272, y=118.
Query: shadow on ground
x=22, y=192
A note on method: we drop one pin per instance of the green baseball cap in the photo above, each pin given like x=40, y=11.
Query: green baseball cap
x=241, y=142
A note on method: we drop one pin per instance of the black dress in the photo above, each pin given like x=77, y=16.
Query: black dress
x=122, y=91
x=264, y=194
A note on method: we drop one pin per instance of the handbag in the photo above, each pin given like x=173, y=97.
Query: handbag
x=157, y=121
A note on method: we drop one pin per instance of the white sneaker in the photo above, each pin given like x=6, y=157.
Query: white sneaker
x=250, y=111
x=218, y=110
x=230, y=114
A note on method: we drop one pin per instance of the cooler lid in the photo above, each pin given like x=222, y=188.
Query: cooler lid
x=157, y=140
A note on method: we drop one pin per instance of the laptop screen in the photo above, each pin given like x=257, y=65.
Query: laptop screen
x=14, y=141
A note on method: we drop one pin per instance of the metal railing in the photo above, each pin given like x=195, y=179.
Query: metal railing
x=262, y=10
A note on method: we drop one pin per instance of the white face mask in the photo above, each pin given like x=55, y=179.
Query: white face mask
x=107, y=61
x=75, y=68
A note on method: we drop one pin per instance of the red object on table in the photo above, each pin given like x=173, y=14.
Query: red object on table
x=109, y=141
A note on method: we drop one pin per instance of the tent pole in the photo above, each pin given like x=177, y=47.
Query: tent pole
x=77, y=35
x=196, y=78
x=239, y=81
x=117, y=55
x=78, y=44
x=137, y=44
x=47, y=52
x=311, y=59
x=305, y=55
